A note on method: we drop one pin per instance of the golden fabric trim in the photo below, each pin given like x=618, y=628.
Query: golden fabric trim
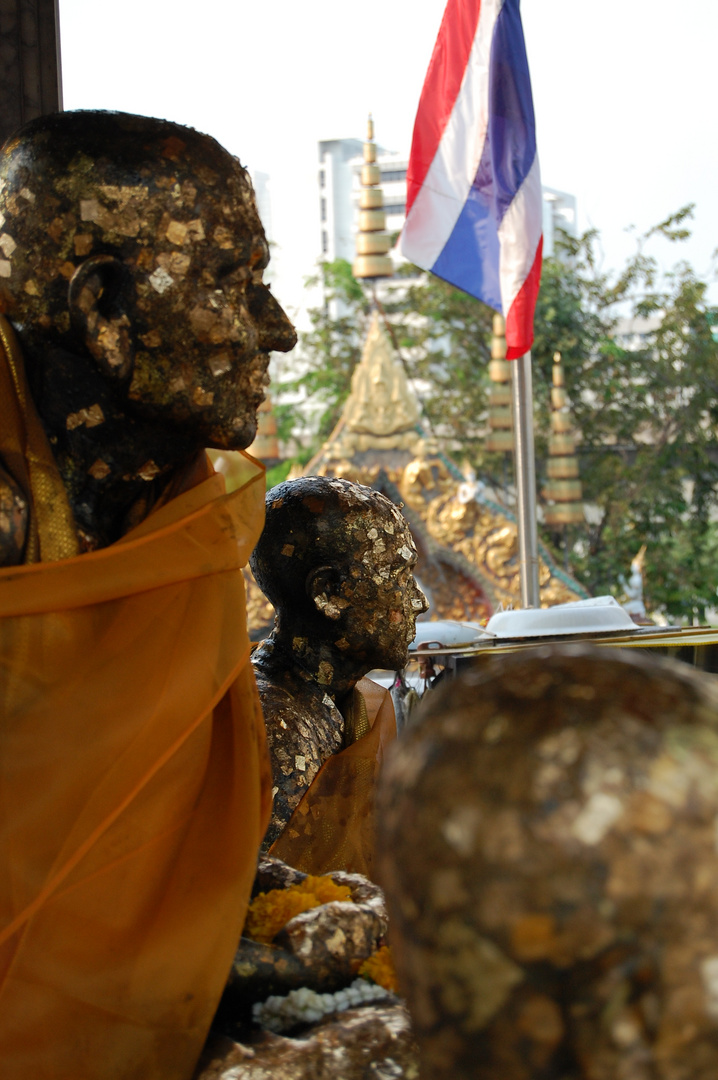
x=356, y=718
x=26, y=453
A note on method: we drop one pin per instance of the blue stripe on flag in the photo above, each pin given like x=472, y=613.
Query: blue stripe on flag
x=470, y=257
x=511, y=140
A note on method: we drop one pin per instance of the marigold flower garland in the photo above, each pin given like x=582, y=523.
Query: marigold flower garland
x=269, y=912
x=380, y=969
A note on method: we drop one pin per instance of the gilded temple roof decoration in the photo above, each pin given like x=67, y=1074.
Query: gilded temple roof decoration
x=381, y=411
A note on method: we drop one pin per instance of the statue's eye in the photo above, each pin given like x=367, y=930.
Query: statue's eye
x=232, y=274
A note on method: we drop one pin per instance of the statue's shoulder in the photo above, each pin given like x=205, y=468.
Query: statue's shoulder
x=300, y=717
x=279, y=705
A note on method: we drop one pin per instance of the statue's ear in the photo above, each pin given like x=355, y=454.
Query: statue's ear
x=321, y=583
x=97, y=302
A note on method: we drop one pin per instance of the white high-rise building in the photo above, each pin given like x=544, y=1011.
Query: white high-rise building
x=261, y=182
x=559, y=212
x=336, y=208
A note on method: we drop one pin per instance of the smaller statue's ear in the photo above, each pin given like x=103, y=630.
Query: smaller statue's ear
x=97, y=312
x=321, y=583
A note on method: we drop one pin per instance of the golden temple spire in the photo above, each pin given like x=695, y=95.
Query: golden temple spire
x=381, y=412
x=563, y=487
x=372, y=243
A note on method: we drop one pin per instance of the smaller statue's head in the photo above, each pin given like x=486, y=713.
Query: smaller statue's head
x=135, y=244
x=337, y=561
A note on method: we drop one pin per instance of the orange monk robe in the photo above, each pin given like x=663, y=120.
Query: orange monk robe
x=332, y=828
x=134, y=789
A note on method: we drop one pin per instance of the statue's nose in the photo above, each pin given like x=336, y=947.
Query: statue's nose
x=276, y=333
x=419, y=603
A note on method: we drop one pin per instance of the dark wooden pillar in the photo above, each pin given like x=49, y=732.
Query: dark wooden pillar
x=30, y=80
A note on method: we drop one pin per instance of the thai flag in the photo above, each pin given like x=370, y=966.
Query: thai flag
x=473, y=185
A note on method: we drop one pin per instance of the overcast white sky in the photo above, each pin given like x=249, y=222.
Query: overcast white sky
x=624, y=92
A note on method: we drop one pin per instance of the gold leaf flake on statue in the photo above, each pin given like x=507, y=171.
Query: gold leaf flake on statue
x=176, y=232
x=99, y=469
x=152, y=339
x=202, y=397
x=220, y=365
x=7, y=245
x=148, y=471
x=82, y=243
x=223, y=238
x=90, y=418
x=124, y=194
x=195, y=229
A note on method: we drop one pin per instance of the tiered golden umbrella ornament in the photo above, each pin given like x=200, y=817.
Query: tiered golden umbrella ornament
x=500, y=438
x=563, y=487
x=372, y=242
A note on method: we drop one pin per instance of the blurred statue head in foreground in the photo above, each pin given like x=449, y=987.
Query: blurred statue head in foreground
x=337, y=561
x=131, y=261
x=547, y=846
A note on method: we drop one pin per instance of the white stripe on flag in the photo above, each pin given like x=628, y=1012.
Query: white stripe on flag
x=447, y=184
x=519, y=234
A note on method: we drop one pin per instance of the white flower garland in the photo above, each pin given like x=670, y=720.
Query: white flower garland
x=305, y=1006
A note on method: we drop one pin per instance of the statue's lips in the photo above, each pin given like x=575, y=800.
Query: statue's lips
x=252, y=377
x=260, y=375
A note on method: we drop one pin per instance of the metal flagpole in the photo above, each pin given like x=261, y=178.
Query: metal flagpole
x=525, y=468
x=493, y=234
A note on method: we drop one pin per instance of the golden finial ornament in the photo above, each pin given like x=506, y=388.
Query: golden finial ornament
x=563, y=488
x=372, y=242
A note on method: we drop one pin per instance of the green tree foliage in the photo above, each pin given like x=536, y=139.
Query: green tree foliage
x=444, y=337
x=646, y=416
x=328, y=354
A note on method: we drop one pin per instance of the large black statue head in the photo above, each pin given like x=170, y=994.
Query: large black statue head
x=136, y=243
x=131, y=262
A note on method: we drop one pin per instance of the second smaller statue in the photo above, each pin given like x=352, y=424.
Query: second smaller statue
x=336, y=559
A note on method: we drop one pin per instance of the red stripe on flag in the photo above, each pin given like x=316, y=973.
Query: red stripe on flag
x=441, y=87
x=520, y=319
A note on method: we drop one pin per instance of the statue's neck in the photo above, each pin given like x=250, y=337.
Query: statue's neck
x=314, y=662
x=109, y=462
